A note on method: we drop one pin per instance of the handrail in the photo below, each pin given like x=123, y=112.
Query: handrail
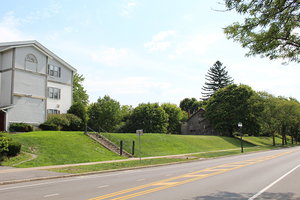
x=130, y=148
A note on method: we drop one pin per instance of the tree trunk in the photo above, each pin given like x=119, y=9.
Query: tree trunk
x=273, y=134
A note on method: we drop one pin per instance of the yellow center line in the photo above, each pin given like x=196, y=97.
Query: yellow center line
x=193, y=176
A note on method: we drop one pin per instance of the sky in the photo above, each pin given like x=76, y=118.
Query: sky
x=144, y=51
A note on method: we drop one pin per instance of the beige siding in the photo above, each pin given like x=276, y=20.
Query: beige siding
x=27, y=110
x=30, y=84
x=21, y=53
x=5, y=97
x=6, y=60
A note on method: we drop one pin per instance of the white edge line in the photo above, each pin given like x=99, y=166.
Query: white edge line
x=51, y=195
x=269, y=186
x=103, y=186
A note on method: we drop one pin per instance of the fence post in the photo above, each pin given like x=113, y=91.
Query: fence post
x=85, y=129
x=133, y=147
x=121, y=147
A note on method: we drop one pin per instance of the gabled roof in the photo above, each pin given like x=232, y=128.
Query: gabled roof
x=33, y=43
x=195, y=113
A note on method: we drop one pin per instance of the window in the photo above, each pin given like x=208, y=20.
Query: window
x=31, y=63
x=54, y=93
x=53, y=111
x=54, y=71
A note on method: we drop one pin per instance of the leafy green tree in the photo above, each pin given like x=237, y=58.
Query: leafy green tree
x=269, y=29
x=106, y=113
x=191, y=104
x=79, y=110
x=175, y=117
x=150, y=117
x=229, y=106
x=217, y=77
x=272, y=114
x=79, y=93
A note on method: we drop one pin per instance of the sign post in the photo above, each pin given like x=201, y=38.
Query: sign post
x=139, y=133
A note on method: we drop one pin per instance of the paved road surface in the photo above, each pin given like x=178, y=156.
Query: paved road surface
x=265, y=175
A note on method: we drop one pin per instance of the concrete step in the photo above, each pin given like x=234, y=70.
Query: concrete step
x=108, y=144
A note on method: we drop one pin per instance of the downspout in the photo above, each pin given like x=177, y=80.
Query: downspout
x=5, y=123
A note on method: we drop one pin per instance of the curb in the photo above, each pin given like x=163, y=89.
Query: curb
x=95, y=172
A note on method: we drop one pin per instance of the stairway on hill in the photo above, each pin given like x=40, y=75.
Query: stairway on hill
x=108, y=144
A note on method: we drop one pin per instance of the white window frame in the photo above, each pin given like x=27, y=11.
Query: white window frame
x=54, y=71
x=54, y=93
x=53, y=111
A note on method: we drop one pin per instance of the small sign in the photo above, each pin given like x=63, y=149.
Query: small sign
x=139, y=132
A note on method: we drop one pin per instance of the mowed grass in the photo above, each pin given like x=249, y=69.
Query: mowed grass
x=60, y=147
x=165, y=144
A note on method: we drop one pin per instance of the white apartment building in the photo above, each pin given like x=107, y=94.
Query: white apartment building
x=33, y=82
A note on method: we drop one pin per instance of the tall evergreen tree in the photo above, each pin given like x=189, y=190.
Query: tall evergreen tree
x=217, y=77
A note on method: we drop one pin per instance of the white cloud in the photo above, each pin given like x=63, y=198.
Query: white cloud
x=110, y=56
x=162, y=35
x=156, y=45
x=9, y=29
x=126, y=9
x=199, y=45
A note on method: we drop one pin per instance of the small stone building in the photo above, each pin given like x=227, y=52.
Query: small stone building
x=196, y=124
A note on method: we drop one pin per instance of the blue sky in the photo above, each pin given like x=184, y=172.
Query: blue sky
x=143, y=51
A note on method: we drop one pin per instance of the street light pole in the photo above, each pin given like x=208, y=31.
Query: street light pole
x=241, y=125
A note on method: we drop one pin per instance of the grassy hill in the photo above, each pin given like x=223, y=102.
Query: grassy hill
x=59, y=147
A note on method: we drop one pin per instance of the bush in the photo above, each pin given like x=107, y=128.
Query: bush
x=3, y=146
x=79, y=110
x=59, y=120
x=65, y=122
x=14, y=148
x=74, y=122
x=48, y=127
x=20, y=127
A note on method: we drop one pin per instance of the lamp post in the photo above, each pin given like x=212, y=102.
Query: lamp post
x=241, y=125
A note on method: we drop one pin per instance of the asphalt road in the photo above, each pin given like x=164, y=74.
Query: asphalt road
x=265, y=175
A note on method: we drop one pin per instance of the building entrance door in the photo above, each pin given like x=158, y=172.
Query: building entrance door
x=2, y=121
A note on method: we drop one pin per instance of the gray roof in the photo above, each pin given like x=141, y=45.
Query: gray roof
x=10, y=45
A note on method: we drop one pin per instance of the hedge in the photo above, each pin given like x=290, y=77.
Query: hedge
x=20, y=127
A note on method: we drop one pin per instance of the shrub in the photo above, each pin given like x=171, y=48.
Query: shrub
x=20, y=127
x=65, y=122
x=3, y=146
x=48, y=127
x=74, y=122
x=79, y=110
x=14, y=148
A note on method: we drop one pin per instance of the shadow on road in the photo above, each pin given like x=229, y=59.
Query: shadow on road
x=241, y=196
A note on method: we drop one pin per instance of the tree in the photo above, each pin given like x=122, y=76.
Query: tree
x=273, y=113
x=229, y=106
x=79, y=94
x=270, y=28
x=106, y=113
x=150, y=117
x=175, y=117
x=217, y=77
x=79, y=110
x=191, y=104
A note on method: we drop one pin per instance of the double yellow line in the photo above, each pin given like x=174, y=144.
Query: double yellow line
x=190, y=177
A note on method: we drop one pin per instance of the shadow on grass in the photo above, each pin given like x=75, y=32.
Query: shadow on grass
x=237, y=143
x=222, y=195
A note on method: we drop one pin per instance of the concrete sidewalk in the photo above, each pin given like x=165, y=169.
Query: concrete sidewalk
x=9, y=175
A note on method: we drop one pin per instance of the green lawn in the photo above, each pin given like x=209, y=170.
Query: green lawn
x=164, y=144
x=59, y=147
